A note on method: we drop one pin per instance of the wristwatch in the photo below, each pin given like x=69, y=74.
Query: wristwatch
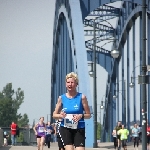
x=82, y=116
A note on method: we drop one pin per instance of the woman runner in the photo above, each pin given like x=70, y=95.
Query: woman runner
x=40, y=129
x=75, y=110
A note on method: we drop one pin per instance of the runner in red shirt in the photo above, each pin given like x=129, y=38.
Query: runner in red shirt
x=13, y=133
x=148, y=137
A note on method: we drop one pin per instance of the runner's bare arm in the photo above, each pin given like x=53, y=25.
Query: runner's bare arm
x=34, y=128
x=87, y=114
x=56, y=113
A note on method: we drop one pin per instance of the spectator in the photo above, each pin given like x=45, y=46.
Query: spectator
x=13, y=133
x=6, y=136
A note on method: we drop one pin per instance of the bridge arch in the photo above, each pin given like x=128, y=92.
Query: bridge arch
x=69, y=53
x=68, y=28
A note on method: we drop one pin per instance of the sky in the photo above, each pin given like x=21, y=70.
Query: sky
x=26, y=37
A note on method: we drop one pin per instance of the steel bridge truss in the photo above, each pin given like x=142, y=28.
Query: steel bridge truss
x=102, y=31
x=71, y=52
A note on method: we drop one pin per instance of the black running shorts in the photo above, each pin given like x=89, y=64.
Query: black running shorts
x=118, y=137
x=74, y=137
x=124, y=143
x=60, y=143
x=148, y=139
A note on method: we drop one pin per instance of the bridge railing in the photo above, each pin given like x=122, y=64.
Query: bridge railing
x=1, y=137
x=26, y=136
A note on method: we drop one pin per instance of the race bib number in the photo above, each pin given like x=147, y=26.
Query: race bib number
x=48, y=131
x=41, y=129
x=114, y=132
x=122, y=136
x=69, y=123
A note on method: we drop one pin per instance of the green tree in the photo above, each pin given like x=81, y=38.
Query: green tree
x=23, y=121
x=20, y=138
x=10, y=102
x=6, y=111
x=98, y=131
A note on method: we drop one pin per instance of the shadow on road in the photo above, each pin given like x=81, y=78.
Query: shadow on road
x=111, y=146
x=108, y=147
x=5, y=147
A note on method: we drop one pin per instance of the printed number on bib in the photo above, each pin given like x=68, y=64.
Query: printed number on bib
x=48, y=131
x=122, y=136
x=69, y=123
x=41, y=129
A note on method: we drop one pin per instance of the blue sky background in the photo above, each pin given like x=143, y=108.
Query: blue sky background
x=26, y=35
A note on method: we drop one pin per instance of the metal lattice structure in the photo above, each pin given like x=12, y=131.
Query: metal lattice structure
x=71, y=52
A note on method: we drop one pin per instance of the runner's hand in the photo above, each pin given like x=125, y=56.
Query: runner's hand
x=77, y=117
x=62, y=114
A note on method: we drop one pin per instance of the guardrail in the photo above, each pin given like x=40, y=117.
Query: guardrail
x=28, y=136
x=1, y=137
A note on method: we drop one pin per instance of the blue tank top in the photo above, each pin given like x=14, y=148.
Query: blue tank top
x=73, y=106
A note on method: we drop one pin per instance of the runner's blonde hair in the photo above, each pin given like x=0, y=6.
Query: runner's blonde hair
x=72, y=75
